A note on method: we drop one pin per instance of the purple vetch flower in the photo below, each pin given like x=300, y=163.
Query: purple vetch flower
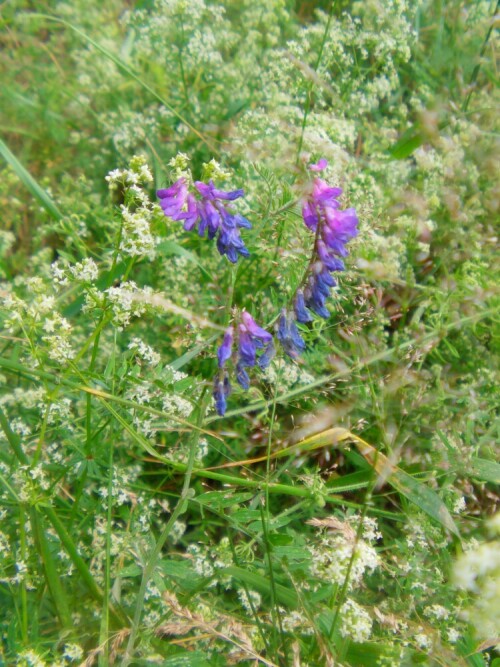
x=320, y=165
x=173, y=200
x=224, y=351
x=334, y=228
x=242, y=376
x=222, y=389
x=299, y=306
x=212, y=212
x=289, y=336
x=253, y=337
x=255, y=347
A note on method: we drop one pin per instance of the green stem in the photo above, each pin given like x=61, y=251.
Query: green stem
x=24, y=593
x=481, y=54
x=104, y=632
x=345, y=585
x=311, y=84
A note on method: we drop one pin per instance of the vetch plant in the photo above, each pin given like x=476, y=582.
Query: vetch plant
x=333, y=515
x=211, y=213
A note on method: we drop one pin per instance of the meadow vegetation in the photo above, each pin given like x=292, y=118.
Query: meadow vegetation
x=336, y=507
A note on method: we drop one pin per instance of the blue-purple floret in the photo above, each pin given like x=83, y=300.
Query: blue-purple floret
x=289, y=336
x=251, y=338
x=222, y=389
x=211, y=213
x=334, y=229
x=225, y=350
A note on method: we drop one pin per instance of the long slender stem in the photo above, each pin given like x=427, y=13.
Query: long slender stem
x=311, y=84
x=266, y=518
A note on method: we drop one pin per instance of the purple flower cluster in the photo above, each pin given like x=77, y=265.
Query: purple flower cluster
x=210, y=212
x=255, y=347
x=333, y=229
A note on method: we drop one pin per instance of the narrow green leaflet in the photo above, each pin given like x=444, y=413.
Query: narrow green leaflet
x=36, y=190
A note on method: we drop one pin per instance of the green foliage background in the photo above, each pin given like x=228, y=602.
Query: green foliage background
x=123, y=540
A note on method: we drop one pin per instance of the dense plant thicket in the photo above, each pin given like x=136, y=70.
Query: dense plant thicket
x=226, y=437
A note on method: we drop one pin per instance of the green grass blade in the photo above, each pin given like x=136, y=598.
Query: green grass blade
x=27, y=179
x=259, y=582
x=415, y=491
x=50, y=570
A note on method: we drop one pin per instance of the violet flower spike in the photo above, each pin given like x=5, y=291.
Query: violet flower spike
x=334, y=228
x=212, y=213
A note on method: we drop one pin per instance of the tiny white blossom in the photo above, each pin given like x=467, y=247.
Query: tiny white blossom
x=73, y=652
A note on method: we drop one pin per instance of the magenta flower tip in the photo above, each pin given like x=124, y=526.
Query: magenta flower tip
x=320, y=165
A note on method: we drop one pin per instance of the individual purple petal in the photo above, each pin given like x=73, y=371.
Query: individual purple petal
x=173, y=190
x=242, y=221
x=190, y=216
x=224, y=351
x=205, y=189
x=310, y=215
x=230, y=243
x=209, y=191
x=265, y=358
x=327, y=258
x=222, y=389
x=300, y=308
x=323, y=193
x=315, y=296
x=320, y=165
x=228, y=196
x=313, y=304
x=289, y=335
x=246, y=347
x=344, y=224
x=210, y=218
x=242, y=376
x=172, y=207
x=252, y=326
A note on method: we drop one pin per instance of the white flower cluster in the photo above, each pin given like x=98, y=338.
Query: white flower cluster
x=355, y=622
x=30, y=483
x=332, y=554
x=478, y=571
x=144, y=351
x=250, y=600
x=177, y=405
x=7, y=240
x=138, y=174
x=137, y=239
x=85, y=271
x=73, y=652
x=38, y=315
x=283, y=374
x=294, y=621
x=128, y=301
x=207, y=561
